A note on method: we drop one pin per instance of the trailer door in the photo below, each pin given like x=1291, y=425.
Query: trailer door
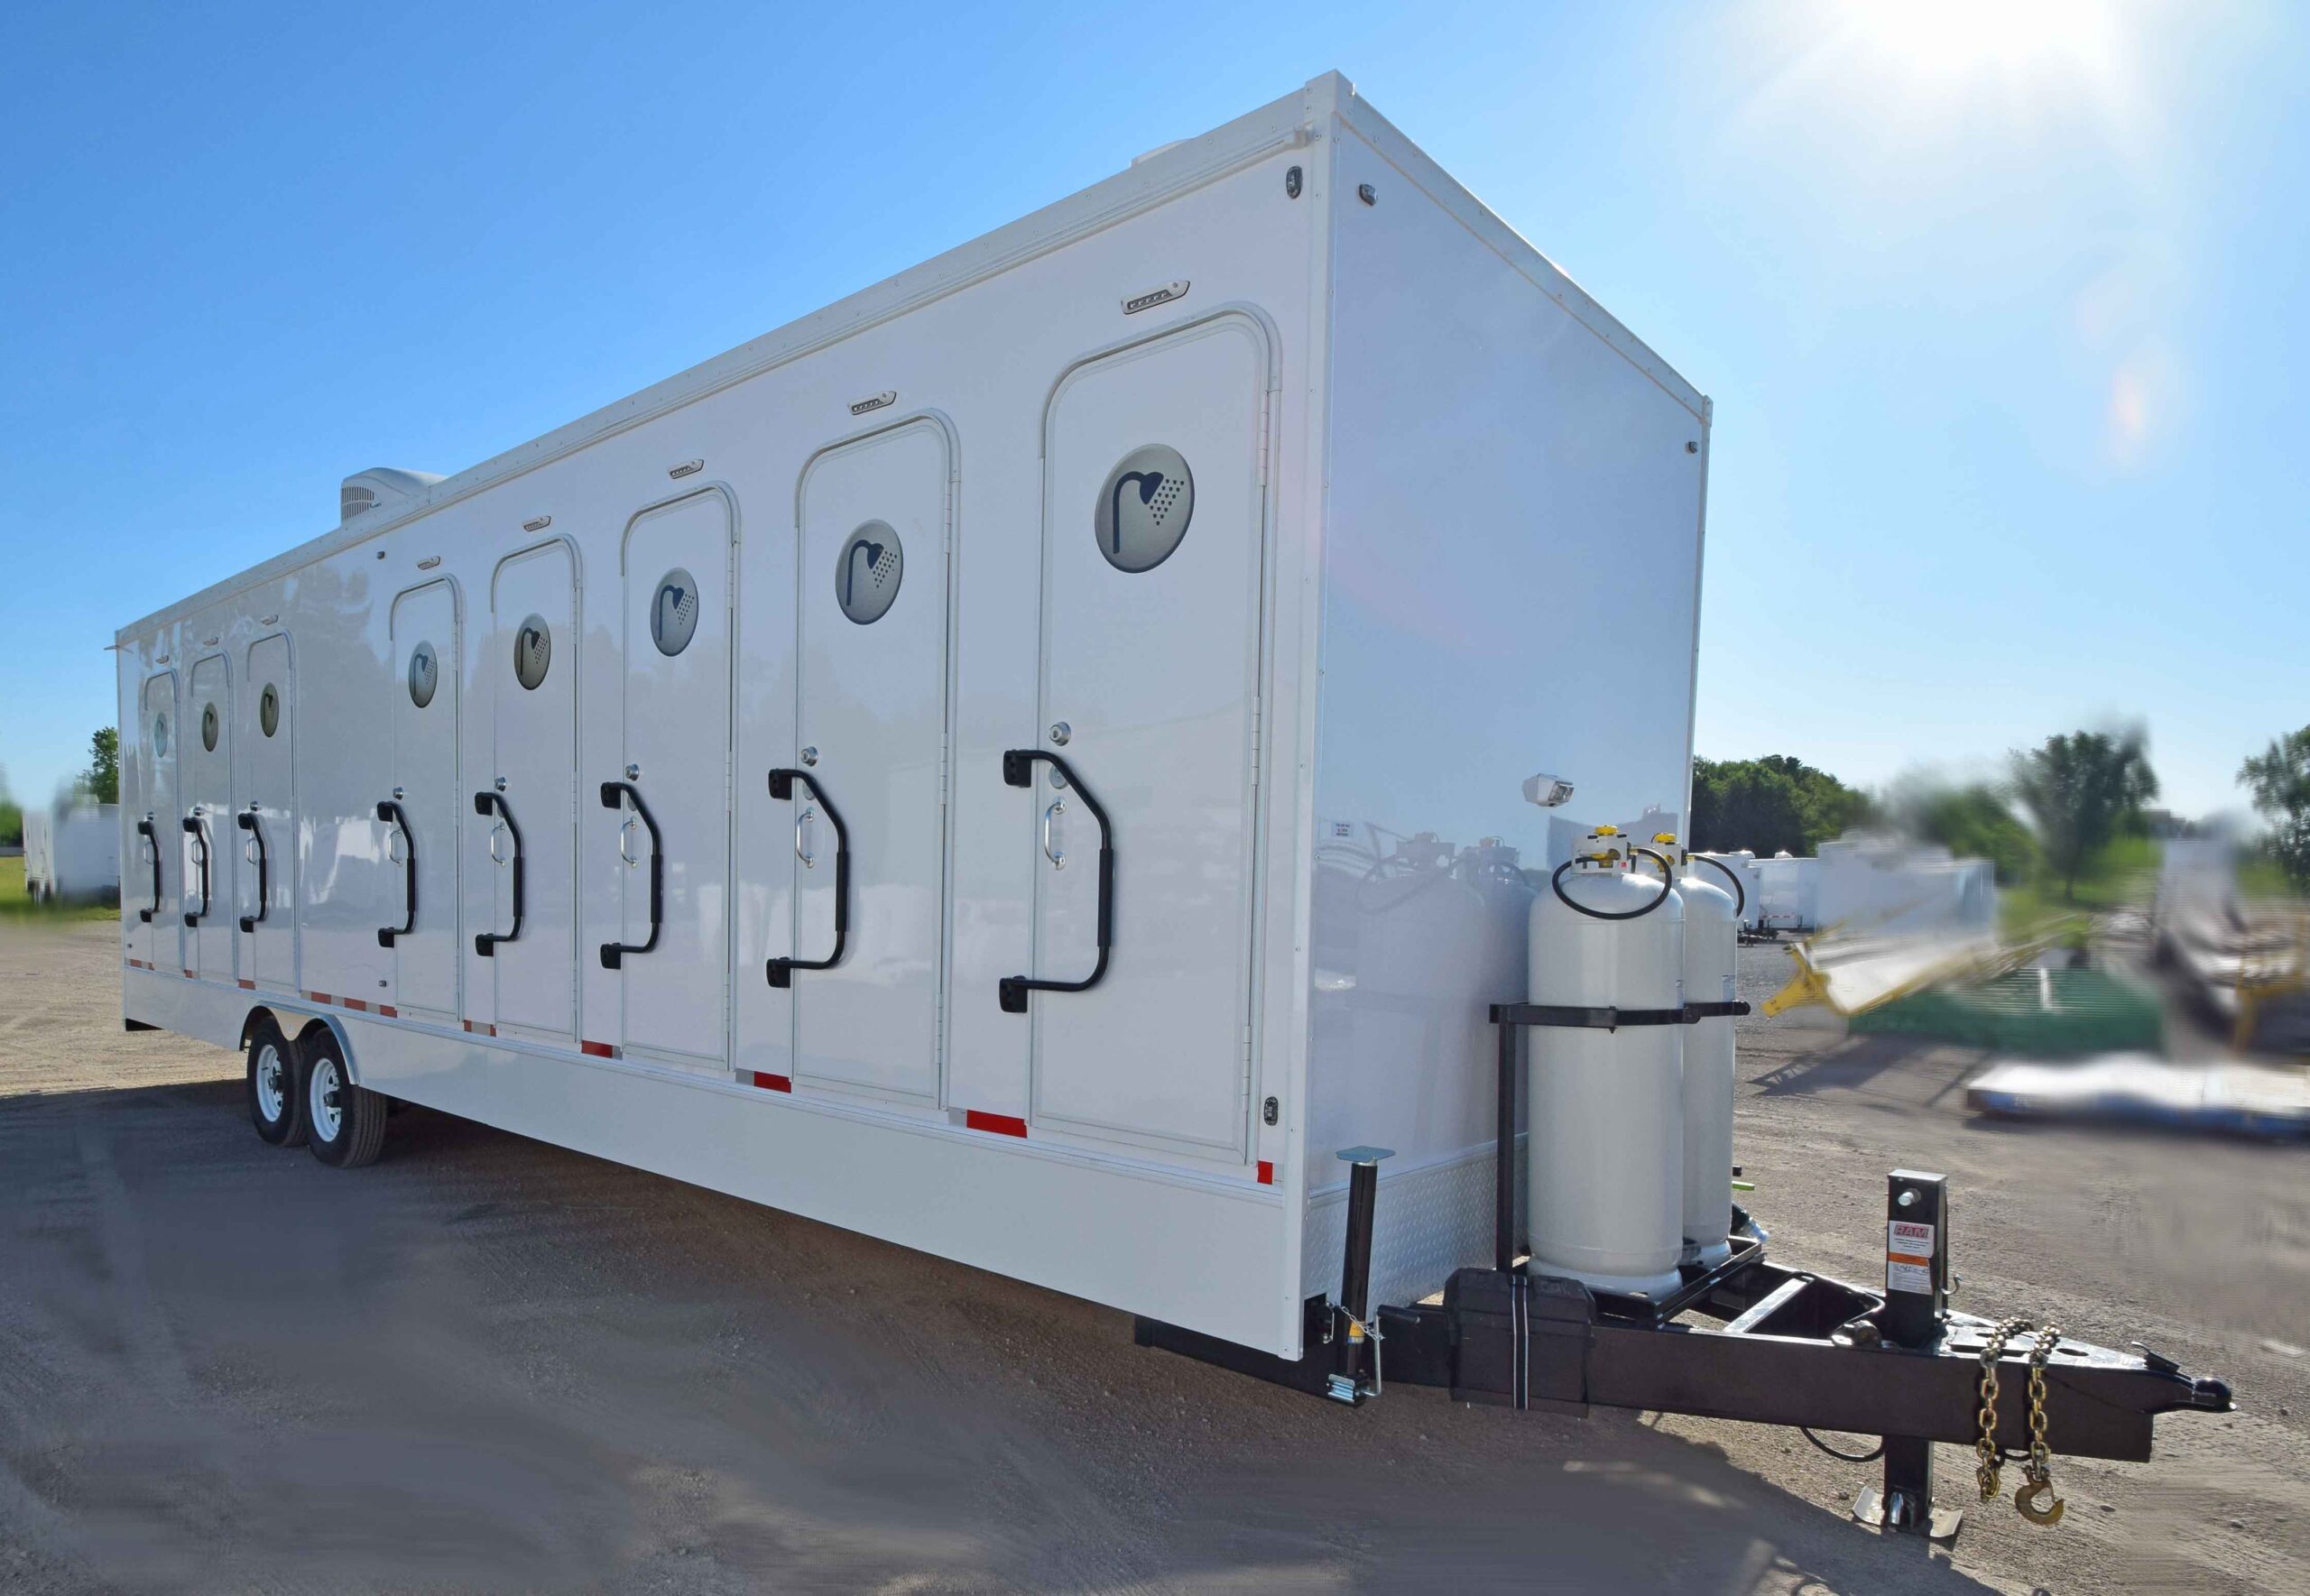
x=428, y=807
x=1153, y=533
x=871, y=734
x=207, y=832
x=677, y=577
x=148, y=892
x=529, y=913
x=268, y=742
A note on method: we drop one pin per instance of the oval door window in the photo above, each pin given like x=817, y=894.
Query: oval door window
x=673, y=613
x=532, y=652
x=161, y=735
x=1144, y=508
x=866, y=577
x=268, y=710
x=424, y=674
x=209, y=727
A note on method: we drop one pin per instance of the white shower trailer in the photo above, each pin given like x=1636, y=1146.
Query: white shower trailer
x=701, y=760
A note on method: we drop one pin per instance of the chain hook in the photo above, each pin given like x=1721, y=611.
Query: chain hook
x=2025, y=1500
x=2039, y=1470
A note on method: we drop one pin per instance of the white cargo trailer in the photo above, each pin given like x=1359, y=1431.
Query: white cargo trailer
x=72, y=851
x=1030, y=762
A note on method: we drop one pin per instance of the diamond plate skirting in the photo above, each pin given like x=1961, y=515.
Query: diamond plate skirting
x=1429, y=1219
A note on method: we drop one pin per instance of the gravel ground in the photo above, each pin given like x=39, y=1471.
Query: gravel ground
x=490, y=1364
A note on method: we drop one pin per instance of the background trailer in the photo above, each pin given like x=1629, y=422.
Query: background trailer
x=1028, y=763
x=72, y=851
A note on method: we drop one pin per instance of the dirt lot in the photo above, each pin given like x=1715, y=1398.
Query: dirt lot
x=487, y=1363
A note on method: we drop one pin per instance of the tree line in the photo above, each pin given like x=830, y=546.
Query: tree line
x=2060, y=808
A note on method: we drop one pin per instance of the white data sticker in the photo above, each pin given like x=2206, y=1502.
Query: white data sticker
x=1909, y=1256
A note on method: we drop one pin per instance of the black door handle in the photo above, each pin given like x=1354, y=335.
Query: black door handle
x=613, y=793
x=198, y=832
x=152, y=840
x=781, y=972
x=391, y=813
x=485, y=942
x=1019, y=770
x=247, y=821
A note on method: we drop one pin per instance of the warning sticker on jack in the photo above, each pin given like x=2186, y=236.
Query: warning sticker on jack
x=1909, y=1256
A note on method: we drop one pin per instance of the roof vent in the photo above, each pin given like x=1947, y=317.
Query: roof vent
x=364, y=491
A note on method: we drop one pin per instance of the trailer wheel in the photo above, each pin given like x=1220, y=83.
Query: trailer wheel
x=346, y=1123
x=276, y=1107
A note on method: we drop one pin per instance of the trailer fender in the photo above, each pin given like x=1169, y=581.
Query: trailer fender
x=300, y=1023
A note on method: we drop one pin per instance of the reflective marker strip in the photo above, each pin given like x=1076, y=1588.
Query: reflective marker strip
x=389, y=1011
x=1001, y=1124
x=245, y=985
x=481, y=1031
x=355, y=1003
x=192, y=975
x=770, y=1082
x=1267, y=1172
x=597, y=1049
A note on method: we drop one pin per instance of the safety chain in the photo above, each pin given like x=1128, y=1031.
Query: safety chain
x=1991, y=1469
x=2039, y=1471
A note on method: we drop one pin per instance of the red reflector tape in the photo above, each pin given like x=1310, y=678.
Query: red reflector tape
x=355, y=1003
x=389, y=1011
x=1001, y=1124
x=770, y=1082
x=319, y=997
x=192, y=975
x=1267, y=1172
x=245, y=985
x=597, y=1049
x=480, y=1029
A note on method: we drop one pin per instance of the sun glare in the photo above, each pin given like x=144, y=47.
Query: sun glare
x=1956, y=38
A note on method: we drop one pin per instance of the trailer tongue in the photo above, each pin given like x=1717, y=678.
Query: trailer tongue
x=1748, y=1338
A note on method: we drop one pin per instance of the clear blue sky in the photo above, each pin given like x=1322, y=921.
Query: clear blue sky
x=2000, y=301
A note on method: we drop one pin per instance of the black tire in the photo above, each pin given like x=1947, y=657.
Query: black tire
x=276, y=1101
x=344, y=1124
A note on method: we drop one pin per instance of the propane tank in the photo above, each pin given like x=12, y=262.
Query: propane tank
x=1712, y=933
x=1606, y=1152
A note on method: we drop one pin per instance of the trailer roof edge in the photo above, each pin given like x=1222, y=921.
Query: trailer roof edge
x=1190, y=164
x=1439, y=185
x=1281, y=123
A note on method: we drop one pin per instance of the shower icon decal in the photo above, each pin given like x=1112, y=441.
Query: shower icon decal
x=673, y=614
x=424, y=675
x=867, y=574
x=1144, y=508
x=532, y=652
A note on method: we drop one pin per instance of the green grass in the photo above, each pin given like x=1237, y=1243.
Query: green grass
x=16, y=904
x=2261, y=878
x=2124, y=873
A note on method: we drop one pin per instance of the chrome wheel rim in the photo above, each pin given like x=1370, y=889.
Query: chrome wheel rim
x=271, y=1095
x=326, y=1096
